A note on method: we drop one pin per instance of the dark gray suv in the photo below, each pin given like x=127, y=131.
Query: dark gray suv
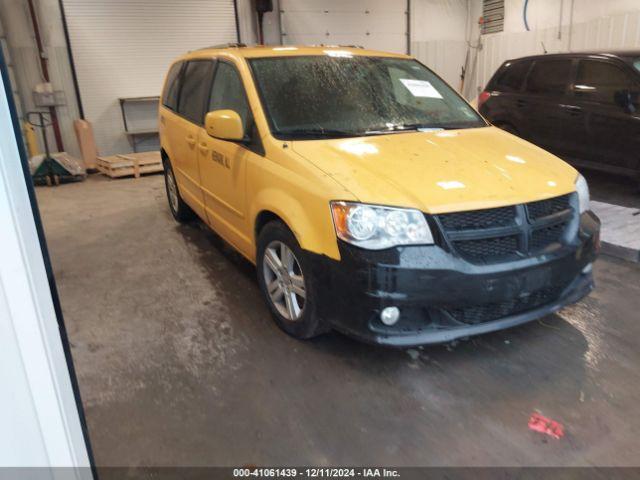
x=583, y=107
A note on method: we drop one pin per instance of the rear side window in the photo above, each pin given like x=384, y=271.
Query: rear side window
x=549, y=76
x=599, y=81
x=228, y=93
x=511, y=77
x=172, y=87
x=196, y=81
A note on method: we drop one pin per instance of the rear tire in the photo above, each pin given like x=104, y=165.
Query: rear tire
x=286, y=281
x=180, y=210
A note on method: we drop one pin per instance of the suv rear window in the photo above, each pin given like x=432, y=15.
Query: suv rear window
x=172, y=87
x=549, y=76
x=511, y=77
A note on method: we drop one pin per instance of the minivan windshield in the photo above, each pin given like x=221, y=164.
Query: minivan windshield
x=307, y=97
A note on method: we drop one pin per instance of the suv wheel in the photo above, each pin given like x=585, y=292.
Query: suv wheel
x=180, y=210
x=286, y=281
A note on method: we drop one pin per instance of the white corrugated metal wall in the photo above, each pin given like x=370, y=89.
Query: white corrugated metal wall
x=122, y=48
x=439, y=30
x=375, y=24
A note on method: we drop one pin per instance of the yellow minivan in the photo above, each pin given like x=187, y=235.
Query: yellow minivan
x=370, y=196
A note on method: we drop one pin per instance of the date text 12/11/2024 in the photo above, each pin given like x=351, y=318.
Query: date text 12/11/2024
x=316, y=472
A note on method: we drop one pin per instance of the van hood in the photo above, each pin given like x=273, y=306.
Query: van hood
x=441, y=171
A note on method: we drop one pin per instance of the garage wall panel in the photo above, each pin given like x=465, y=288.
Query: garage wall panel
x=439, y=33
x=374, y=24
x=122, y=48
x=444, y=57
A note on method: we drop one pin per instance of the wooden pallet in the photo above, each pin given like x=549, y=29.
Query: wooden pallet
x=136, y=164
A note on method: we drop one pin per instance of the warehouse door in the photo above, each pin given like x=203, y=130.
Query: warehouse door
x=123, y=48
x=374, y=24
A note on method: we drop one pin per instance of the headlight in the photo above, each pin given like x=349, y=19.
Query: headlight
x=582, y=188
x=375, y=228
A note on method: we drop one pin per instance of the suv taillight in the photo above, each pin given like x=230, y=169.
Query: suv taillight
x=483, y=97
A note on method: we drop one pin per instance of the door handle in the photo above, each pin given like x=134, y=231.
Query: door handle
x=204, y=149
x=191, y=140
x=521, y=103
x=572, y=109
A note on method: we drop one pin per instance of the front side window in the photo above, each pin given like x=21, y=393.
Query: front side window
x=196, y=81
x=343, y=95
x=172, y=87
x=549, y=76
x=599, y=81
x=228, y=93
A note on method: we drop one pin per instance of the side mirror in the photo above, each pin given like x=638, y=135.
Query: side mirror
x=626, y=100
x=224, y=124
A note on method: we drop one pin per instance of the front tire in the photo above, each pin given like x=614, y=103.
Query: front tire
x=286, y=281
x=180, y=210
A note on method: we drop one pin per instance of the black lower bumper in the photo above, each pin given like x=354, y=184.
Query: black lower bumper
x=442, y=297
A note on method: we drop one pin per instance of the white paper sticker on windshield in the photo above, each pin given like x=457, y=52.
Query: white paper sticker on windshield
x=420, y=88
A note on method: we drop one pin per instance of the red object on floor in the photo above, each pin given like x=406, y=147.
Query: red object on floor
x=543, y=424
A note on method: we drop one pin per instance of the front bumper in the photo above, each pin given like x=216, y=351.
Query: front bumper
x=442, y=297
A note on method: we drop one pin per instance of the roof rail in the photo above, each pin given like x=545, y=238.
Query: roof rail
x=226, y=45
x=326, y=45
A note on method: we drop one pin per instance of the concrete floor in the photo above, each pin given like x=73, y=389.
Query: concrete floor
x=179, y=362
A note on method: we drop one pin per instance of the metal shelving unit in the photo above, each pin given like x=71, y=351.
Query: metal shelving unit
x=133, y=134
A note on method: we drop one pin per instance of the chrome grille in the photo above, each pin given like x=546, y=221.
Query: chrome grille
x=543, y=237
x=500, y=234
x=477, y=219
x=478, y=250
x=549, y=207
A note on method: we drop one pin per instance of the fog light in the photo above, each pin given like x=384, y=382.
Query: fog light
x=390, y=315
x=588, y=268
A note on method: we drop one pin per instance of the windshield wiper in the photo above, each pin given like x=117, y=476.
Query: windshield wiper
x=403, y=127
x=461, y=125
x=410, y=126
x=406, y=127
x=319, y=132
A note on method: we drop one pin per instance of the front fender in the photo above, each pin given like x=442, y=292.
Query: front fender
x=308, y=219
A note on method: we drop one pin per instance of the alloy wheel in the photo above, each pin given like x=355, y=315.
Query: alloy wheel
x=172, y=189
x=284, y=280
